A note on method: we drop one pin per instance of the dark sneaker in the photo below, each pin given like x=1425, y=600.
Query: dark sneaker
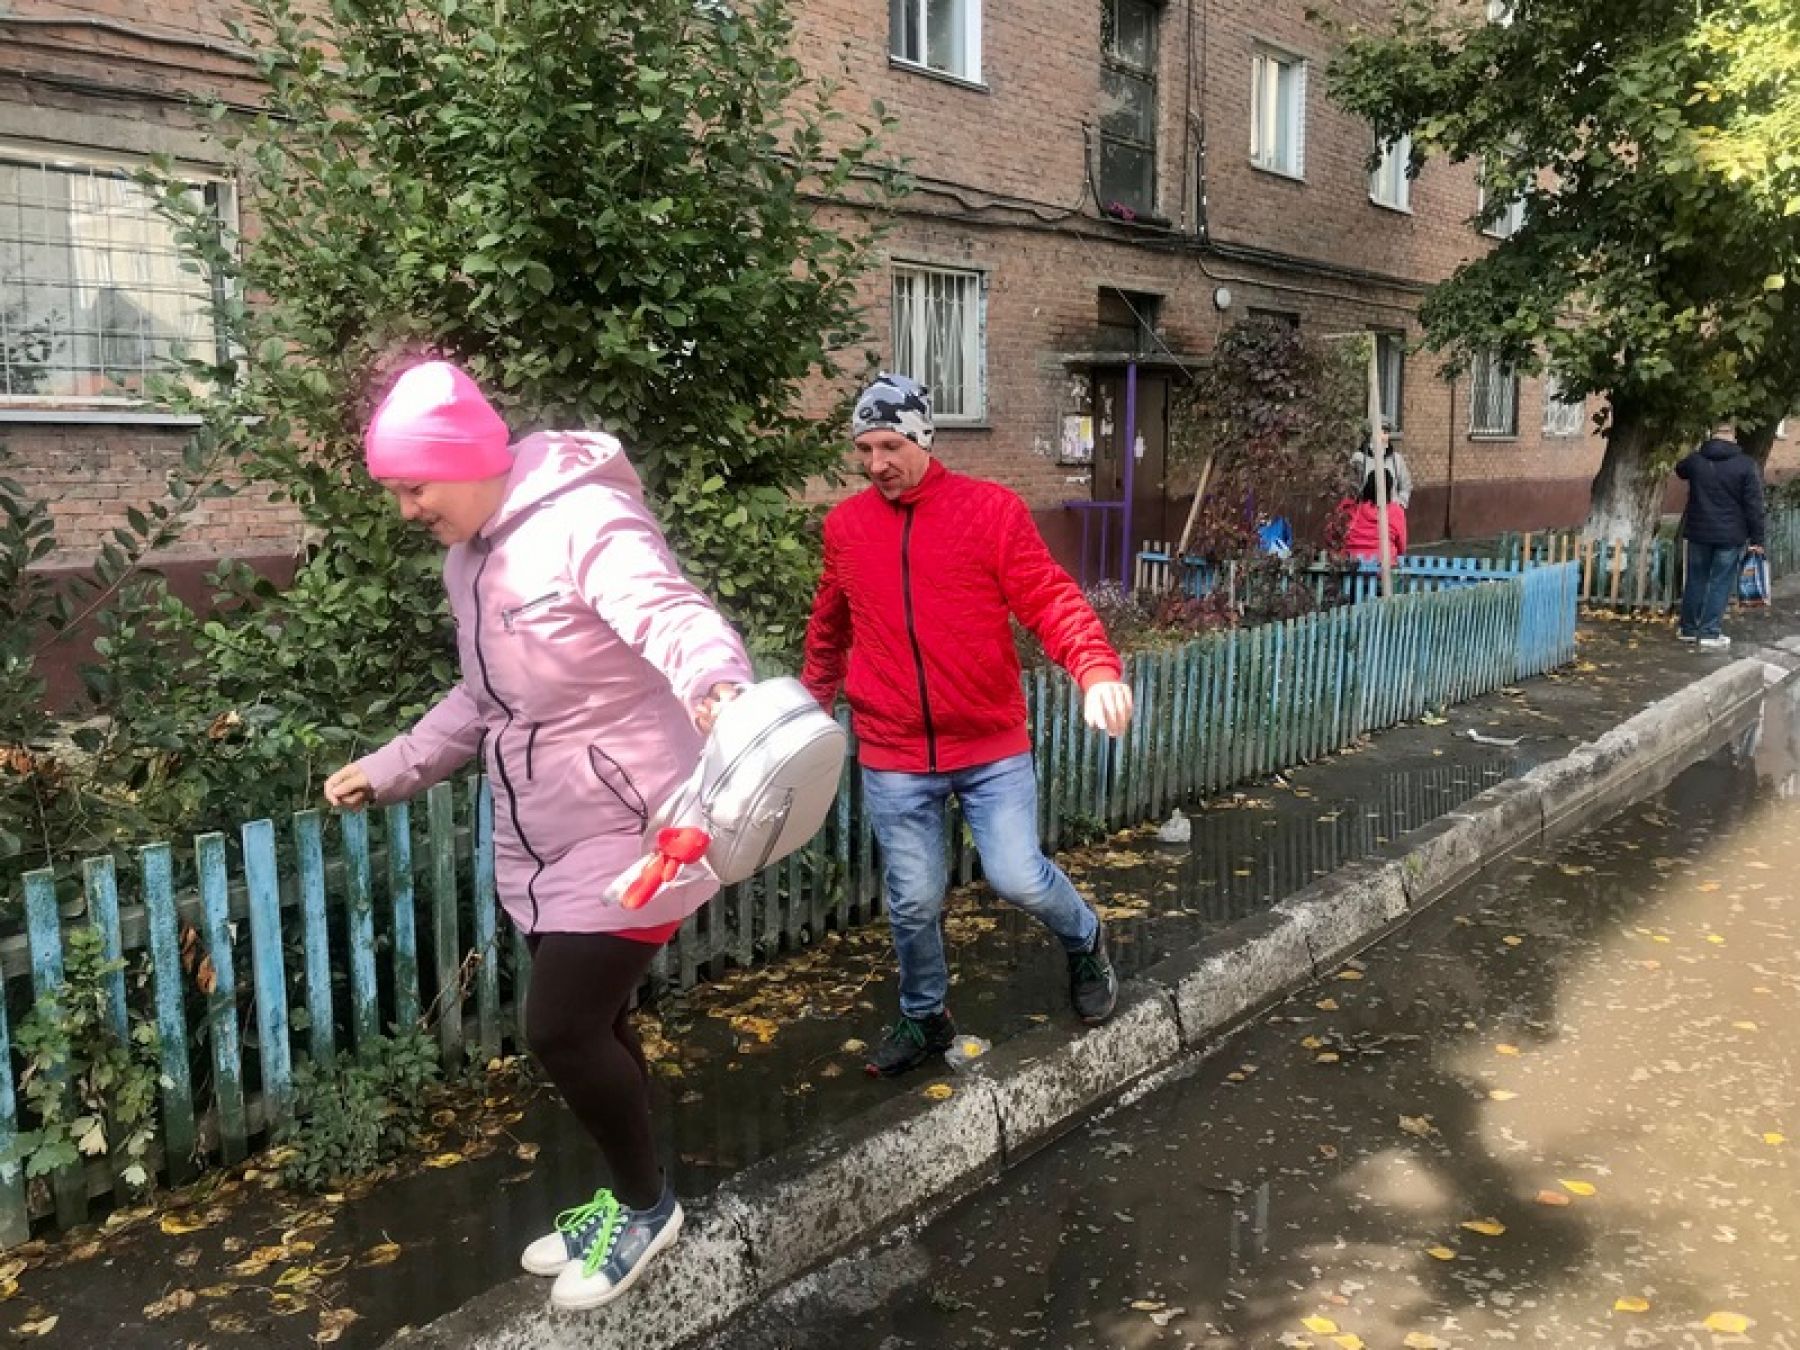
x=615, y=1245
x=909, y=1043
x=1093, y=987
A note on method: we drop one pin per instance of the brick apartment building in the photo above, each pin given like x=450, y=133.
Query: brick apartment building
x=1010, y=284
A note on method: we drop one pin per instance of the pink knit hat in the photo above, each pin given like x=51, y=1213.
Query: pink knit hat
x=436, y=427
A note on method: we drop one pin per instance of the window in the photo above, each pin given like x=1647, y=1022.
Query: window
x=92, y=293
x=1500, y=12
x=1510, y=219
x=1389, y=184
x=1390, y=379
x=1562, y=417
x=1278, y=113
x=940, y=35
x=1286, y=318
x=939, y=329
x=1493, y=397
x=1128, y=320
x=1128, y=105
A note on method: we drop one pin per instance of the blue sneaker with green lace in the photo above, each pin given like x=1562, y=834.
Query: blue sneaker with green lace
x=566, y=1242
x=613, y=1246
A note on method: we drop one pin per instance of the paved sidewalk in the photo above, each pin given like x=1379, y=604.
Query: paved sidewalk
x=760, y=1060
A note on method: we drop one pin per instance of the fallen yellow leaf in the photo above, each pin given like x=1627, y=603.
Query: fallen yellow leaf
x=1661, y=937
x=1774, y=1138
x=443, y=1160
x=1715, y=939
x=1145, y=1305
x=1328, y=1057
x=1744, y=1026
x=1501, y=1095
x=1440, y=1253
x=1513, y=941
x=1327, y=1005
x=1419, y=1125
x=179, y=1300
x=1312, y=1043
x=1506, y=1049
x=1486, y=1227
x=1319, y=1326
x=384, y=1255
x=854, y=1047
x=940, y=1092
x=1552, y=1198
x=1631, y=1303
x=218, y=1291
x=1708, y=887
x=1577, y=1187
x=527, y=1152
x=177, y=1224
x=1349, y=1340
x=43, y=1328
x=1421, y=1340
x=1725, y=1323
x=1350, y=974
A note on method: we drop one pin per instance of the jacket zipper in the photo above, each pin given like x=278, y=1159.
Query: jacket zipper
x=530, y=747
x=512, y=797
x=641, y=810
x=912, y=636
x=508, y=615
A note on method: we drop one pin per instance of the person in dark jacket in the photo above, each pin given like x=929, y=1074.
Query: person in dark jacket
x=924, y=573
x=1724, y=517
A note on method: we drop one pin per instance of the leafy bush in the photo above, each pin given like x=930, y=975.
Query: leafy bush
x=359, y=1112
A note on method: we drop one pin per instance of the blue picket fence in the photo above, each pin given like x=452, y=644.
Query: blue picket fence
x=315, y=936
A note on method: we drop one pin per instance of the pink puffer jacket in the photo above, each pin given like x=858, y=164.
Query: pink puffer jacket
x=583, y=649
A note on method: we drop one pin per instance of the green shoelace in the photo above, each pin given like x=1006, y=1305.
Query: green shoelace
x=606, y=1211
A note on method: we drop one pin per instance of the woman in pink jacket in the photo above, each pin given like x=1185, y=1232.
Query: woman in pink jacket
x=590, y=668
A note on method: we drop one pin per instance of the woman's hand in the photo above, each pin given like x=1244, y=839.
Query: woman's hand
x=706, y=712
x=349, y=789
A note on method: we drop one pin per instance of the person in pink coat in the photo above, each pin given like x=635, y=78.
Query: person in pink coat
x=1362, y=524
x=590, y=670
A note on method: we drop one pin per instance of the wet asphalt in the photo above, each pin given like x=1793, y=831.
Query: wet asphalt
x=1562, y=1109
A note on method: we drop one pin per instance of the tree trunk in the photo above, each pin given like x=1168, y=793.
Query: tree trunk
x=1757, y=443
x=1628, y=491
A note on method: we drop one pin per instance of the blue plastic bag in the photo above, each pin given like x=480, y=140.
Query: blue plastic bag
x=1753, y=580
x=1277, y=537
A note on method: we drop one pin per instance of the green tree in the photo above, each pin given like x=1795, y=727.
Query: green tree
x=1651, y=268
x=607, y=212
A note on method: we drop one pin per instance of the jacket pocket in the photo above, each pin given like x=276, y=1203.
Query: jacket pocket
x=616, y=780
x=511, y=615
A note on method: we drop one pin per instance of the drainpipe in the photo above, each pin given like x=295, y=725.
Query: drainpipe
x=1450, y=466
x=1127, y=555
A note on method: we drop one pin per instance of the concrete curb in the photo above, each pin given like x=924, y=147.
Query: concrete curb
x=794, y=1212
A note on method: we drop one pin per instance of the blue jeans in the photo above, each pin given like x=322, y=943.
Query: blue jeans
x=1712, y=570
x=999, y=801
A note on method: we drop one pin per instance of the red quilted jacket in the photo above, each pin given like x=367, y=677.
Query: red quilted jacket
x=914, y=608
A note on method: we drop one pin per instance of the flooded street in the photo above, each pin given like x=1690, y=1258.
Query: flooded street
x=1562, y=1109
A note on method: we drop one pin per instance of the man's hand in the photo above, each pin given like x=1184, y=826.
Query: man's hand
x=1757, y=549
x=706, y=712
x=1107, y=707
x=349, y=789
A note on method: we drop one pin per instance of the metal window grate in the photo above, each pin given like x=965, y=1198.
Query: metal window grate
x=93, y=293
x=938, y=337
x=1494, y=397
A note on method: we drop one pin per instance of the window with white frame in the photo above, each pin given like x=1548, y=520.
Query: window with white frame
x=1500, y=12
x=1278, y=112
x=940, y=35
x=1390, y=379
x=1562, y=416
x=1493, y=397
x=1507, y=222
x=1389, y=185
x=940, y=323
x=93, y=297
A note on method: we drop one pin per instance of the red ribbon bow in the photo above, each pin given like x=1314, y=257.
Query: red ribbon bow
x=674, y=848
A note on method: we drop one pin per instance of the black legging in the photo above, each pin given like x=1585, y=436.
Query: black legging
x=577, y=1021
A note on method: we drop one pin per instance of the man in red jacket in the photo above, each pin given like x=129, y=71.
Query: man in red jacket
x=924, y=573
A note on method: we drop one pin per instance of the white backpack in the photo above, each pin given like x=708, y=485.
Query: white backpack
x=767, y=778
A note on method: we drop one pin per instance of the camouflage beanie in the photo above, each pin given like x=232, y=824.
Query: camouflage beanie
x=896, y=403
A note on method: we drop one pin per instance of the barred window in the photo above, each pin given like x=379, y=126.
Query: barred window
x=1562, y=417
x=1493, y=397
x=93, y=294
x=939, y=329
